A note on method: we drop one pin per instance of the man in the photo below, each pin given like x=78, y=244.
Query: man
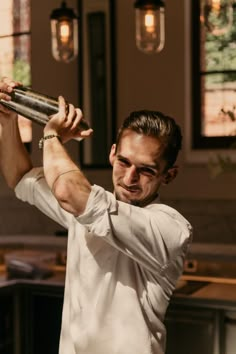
x=125, y=249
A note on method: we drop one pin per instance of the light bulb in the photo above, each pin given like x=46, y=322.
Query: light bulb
x=150, y=25
x=64, y=32
x=149, y=22
x=217, y=15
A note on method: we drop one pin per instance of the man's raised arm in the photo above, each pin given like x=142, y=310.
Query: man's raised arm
x=14, y=159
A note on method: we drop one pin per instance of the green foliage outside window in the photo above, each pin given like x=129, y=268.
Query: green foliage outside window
x=22, y=72
x=220, y=55
x=220, y=70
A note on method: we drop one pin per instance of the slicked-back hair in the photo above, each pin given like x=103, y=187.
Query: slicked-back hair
x=155, y=124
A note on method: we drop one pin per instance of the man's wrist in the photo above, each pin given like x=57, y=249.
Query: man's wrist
x=47, y=137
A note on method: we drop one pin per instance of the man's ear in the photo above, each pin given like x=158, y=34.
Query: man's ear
x=170, y=175
x=112, y=154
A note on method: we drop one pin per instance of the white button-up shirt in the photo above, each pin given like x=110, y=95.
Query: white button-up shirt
x=123, y=263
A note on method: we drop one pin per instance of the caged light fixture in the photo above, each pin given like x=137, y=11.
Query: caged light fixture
x=150, y=25
x=217, y=16
x=64, y=33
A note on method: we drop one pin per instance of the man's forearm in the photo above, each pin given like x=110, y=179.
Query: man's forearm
x=64, y=177
x=14, y=159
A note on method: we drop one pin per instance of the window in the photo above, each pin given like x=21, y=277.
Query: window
x=213, y=85
x=15, y=49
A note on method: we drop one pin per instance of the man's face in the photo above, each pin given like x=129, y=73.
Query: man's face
x=138, y=168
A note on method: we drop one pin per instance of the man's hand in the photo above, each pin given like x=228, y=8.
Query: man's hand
x=6, y=88
x=14, y=159
x=66, y=122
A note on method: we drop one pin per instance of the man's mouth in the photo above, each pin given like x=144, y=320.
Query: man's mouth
x=130, y=189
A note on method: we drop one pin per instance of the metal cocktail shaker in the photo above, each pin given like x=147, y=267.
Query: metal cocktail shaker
x=35, y=106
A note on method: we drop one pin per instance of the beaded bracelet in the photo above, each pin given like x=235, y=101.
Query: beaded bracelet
x=46, y=137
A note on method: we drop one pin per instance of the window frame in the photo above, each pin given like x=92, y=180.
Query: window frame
x=198, y=141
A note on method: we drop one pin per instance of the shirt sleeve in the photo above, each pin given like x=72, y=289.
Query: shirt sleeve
x=33, y=189
x=154, y=236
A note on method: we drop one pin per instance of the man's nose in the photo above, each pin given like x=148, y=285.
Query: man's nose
x=131, y=175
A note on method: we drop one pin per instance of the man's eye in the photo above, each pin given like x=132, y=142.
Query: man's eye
x=123, y=162
x=147, y=171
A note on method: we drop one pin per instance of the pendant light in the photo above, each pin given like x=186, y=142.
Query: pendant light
x=150, y=25
x=64, y=32
x=217, y=15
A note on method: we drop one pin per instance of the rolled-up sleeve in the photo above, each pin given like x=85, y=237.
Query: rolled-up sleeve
x=154, y=236
x=34, y=190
